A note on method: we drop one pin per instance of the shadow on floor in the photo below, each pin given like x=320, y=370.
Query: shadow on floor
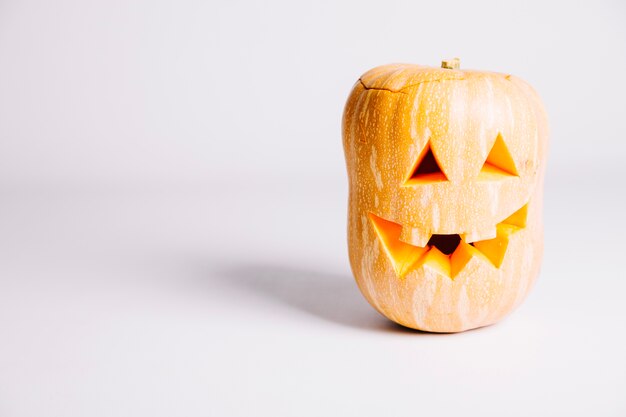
x=329, y=296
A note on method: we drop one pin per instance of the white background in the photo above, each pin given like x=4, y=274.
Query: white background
x=173, y=202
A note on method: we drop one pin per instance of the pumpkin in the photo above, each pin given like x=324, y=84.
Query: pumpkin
x=445, y=169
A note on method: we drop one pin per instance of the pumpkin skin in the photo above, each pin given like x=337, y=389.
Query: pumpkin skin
x=445, y=170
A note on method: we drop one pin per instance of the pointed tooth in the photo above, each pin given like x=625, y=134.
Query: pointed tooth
x=414, y=236
x=461, y=257
x=438, y=261
x=494, y=249
x=477, y=235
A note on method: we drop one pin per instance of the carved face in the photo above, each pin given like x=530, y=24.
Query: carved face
x=445, y=170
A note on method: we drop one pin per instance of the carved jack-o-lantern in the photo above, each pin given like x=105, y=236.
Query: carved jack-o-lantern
x=445, y=172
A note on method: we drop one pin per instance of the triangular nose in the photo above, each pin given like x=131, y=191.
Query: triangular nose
x=426, y=169
x=499, y=160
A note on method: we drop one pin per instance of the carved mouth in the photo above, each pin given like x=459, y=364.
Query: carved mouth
x=448, y=254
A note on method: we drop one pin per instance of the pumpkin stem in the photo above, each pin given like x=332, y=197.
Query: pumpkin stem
x=453, y=63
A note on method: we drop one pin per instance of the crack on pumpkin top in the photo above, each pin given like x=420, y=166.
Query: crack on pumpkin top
x=384, y=89
x=425, y=81
x=406, y=87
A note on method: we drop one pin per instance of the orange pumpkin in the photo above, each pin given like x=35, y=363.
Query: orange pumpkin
x=445, y=171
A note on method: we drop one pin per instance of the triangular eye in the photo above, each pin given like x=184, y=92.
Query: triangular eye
x=499, y=160
x=426, y=169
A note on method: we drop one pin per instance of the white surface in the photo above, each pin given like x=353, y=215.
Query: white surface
x=239, y=301
x=99, y=91
x=172, y=212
